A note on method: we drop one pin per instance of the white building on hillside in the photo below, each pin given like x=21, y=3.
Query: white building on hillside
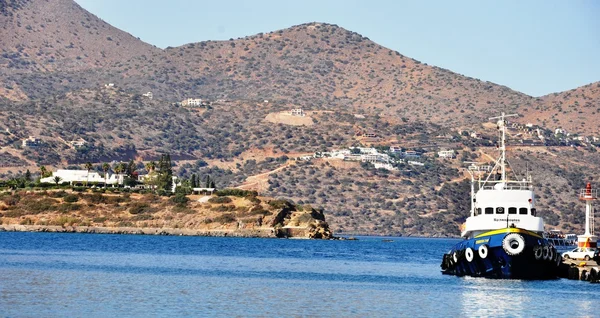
x=387, y=166
x=448, y=154
x=190, y=102
x=78, y=143
x=297, y=112
x=149, y=95
x=83, y=176
x=31, y=142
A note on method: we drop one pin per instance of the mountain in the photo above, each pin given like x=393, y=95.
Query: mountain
x=345, y=83
x=52, y=36
x=574, y=111
x=323, y=66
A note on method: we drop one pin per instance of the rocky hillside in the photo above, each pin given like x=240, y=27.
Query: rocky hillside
x=56, y=59
x=57, y=36
x=247, y=215
x=574, y=111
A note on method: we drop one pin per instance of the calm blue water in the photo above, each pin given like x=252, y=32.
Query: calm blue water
x=45, y=274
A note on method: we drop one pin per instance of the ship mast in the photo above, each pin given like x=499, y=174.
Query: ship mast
x=502, y=126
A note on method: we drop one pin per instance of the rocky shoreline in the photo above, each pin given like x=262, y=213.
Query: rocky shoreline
x=260, y=232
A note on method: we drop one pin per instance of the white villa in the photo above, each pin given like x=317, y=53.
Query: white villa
x=78, y=143
x=83, y=176
x=387, y=166
x=297, y=112
x=31, y=142
x=395, y=149
x=149, y=95
x=145, y=178
x=191, y=102
x=448, y=154
x=371, y=155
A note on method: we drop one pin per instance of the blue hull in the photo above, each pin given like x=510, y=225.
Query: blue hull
x=510, y=253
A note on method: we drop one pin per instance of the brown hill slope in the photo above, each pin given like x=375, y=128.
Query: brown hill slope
x=58, y=36
x=323, y=66
x=576, y=110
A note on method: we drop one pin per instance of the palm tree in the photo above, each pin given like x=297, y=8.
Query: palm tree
x=120, y=168
x=88, y=167
x=105, y=168
x=57, y=180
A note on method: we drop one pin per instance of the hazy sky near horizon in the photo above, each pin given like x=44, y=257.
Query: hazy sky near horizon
x=536, y=47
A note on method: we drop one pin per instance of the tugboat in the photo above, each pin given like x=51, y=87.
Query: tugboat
x=503, y=236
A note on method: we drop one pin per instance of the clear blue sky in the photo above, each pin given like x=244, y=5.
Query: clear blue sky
x=536, y=47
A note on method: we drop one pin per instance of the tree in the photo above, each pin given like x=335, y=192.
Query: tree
x=150, y=166
x=131, y=167
x=43, y=171
x=207, y=184
x=28, y=176
x=88, y=167
x=118, y=168
x=193, y=182
x=57, y=180
x=165, y=173
x=105, y=168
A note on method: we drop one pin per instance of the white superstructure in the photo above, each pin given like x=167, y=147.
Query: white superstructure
x=498, y=202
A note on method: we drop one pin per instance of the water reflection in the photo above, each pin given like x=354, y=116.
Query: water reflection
x=485, y=297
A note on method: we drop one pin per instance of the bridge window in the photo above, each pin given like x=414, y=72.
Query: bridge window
x=512, y=210
x=499, y=210
x=478, y=211
x=523, y=211
x=489, y=210
x=533, y=212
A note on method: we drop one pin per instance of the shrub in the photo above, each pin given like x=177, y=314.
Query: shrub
x=12, y=200
x=236, y=193
x=68, y=207
x=225, y=218
x=26, y=221
x=100, y=219
x=59, y=194
x=220, y=200
x=139, y=207
x=180, y=199
x=96, y=198
x=65, y=220
x=223, y=208
x=43, y=205
x=141, y=217
x=71, y=198
x=151, y=198
x=79, y=189
x=163, y=193
x=281, y=204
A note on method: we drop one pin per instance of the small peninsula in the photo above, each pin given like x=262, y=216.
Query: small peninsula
x=229, y=212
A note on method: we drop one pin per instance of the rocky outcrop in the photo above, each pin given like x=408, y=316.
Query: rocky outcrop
x=307, y=223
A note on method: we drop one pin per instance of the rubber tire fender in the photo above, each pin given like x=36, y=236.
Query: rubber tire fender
x=469, y=255
x=537, y=252
x=513, y=244
x=483, y=251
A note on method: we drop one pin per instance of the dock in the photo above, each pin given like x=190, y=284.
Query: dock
x=580, y=270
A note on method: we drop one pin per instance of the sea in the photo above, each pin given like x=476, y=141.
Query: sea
x=99, y=275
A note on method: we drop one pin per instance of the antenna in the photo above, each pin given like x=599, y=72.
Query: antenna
x=502, y=125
